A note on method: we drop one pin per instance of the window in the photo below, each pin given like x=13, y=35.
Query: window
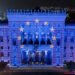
x=64, y=47
x=58, y=50
x=1, y=54
x=49, y=41
x=58, y=42
x=71, y=55
x=71, y=47
x=64, y=51
x=7, y=38
x=65, y=54
x=14, y=42
x=1, y=47
x=43, y=41
x=1, y=38
x=65, y=36
x=30, y=38
x=65, y=39
x=8, y=54
x=8, y=47
x=58, y=60
x=72, y=39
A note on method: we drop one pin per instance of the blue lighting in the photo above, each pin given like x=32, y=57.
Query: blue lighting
x=37, y=38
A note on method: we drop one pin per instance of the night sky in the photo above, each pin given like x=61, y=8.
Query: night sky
x=18, y=4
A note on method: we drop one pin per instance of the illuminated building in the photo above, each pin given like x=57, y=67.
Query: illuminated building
x=36, y=38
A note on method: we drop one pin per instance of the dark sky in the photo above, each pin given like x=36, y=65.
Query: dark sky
x=37, y=3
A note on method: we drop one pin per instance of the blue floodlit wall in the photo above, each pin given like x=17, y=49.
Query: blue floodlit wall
x=36, y=38
x=69, y=43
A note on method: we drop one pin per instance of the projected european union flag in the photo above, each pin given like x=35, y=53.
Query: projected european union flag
x=36, y=38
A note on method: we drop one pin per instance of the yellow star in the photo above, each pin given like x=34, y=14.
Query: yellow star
x=37, y=36
x=21, y=29
x=51, y=46
x=37, y=20
x=22, y=46
x=19, y=37
x=53, y=37
x=27, y=23
x=52, y=29
x=45, y=23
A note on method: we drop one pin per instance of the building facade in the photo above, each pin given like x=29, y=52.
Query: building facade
x=36, y=38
